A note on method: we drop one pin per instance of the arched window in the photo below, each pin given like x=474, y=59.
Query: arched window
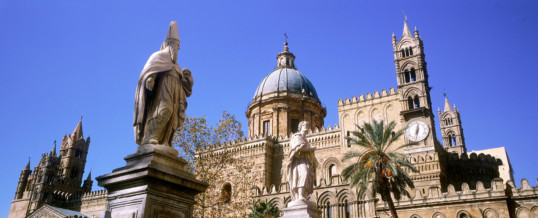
x=74, y=172
x=416, y=101
x=454, y=143
x=407, y=77
x=347, y=210
x=402, y=53
x=406, y=52
x=413, y=75
x=332, y=171
x=410, y=51
x=410, y=102
x=78, y=153
x=226, y=193
x=329, y=209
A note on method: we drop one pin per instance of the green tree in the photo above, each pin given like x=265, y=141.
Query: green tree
x=264, y=209
x=375, y=165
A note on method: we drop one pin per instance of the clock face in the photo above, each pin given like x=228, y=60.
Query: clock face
x=417, y=131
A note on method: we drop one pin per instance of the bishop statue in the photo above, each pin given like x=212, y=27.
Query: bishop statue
x=161, y=94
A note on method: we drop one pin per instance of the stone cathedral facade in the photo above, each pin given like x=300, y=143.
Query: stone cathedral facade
x=451, y=181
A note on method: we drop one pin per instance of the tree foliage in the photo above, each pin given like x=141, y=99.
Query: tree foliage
x=375, y=165
x=211, y=160
x=263, y=209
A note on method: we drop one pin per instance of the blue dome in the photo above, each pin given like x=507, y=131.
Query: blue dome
x=286, y=80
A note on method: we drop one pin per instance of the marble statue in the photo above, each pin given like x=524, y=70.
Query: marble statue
x=302, y=165
x=160, y=100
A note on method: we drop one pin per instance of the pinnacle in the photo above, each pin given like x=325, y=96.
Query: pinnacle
x=28, y=165
x=406, y=31
x=89, y=176
x=447, y=105
x=77, y=133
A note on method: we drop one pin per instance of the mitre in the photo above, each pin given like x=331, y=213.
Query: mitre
x=172, y=32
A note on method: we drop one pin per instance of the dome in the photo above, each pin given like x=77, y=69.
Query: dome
x=286, y=80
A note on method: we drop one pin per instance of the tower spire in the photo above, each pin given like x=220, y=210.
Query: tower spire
x=28, y=164
x=447, y=105
x=406, y=31
x=77, y=133
x=53, y=151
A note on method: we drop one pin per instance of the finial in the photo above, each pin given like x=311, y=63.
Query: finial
x=80, y=117
x=54, y=143
x=405, y=16
x=285, y=37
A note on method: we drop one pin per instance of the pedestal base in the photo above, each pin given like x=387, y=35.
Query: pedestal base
x=154, y=183
x=301, y=209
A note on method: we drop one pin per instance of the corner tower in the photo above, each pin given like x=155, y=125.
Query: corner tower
x=73, y=153
x=283, y=99
x=451, y=129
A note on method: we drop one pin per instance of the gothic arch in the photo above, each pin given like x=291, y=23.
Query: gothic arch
x=327, y=164
x=327, y=196
x=408, y=65
x=415, y=216
x=405, y=43
x=343, y=195
x=358, y=115
x=387, y=108
x=374, y=111
x=412, y=92
x=277, y=203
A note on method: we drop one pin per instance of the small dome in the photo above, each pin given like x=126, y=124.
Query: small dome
x=286, y=80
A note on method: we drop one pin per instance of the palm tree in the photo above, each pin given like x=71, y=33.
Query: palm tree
x=264, y=209
x=376, y=165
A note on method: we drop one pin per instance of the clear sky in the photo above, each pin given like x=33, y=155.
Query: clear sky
x=63, y=59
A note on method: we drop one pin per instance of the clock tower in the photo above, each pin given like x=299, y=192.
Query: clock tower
x=416, y=113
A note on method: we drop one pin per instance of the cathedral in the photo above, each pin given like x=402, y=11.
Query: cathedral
x=450, y=182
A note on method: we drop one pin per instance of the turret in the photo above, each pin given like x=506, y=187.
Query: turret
x=87, y=187
x=23, y=181
x=451, y=129
x=73, y=154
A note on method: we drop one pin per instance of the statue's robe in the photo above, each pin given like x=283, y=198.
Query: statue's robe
x=301, y=167
x=159, y=112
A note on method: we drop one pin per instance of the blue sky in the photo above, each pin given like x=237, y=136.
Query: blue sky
x=60, y=60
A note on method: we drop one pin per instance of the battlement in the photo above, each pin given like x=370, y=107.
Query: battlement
x=258, y=144
x=368, y=98
x=67, y=197
x=433, y=195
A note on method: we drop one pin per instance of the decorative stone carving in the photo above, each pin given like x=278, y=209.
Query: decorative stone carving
x=160, y=100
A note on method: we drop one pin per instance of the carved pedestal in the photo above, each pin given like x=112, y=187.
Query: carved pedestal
x=154, y=183
x=301, y=209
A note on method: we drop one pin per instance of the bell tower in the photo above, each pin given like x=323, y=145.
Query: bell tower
x=73, y=154
x=416, y=111
x=451, y=129
x=413, y=87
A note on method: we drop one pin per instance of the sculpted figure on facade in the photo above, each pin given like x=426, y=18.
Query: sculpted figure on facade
x=160, y=100
x=302, y=165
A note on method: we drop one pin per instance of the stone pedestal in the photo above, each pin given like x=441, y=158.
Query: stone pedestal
x=154, y=183
x=301, y=209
